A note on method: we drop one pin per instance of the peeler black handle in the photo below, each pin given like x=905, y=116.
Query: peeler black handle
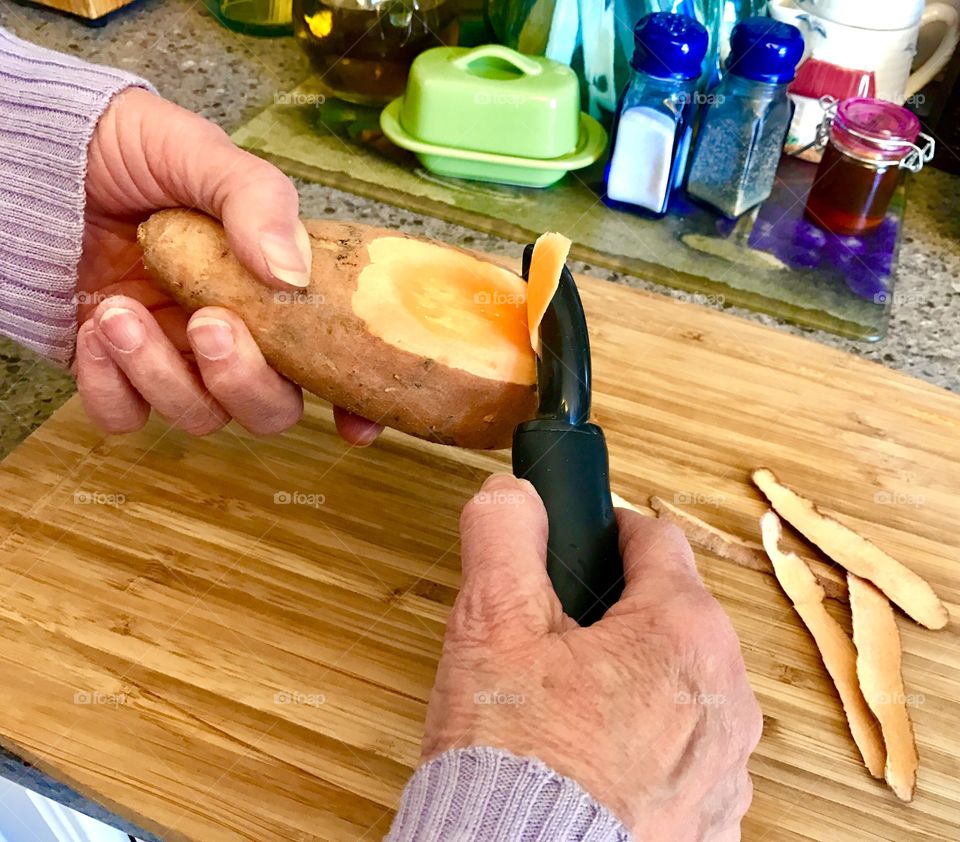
x=565, y=457
x=568, y=465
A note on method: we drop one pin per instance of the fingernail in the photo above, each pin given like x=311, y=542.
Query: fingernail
x=95, y=348
x=306, y=250
x=211, y=338
x=500, y=480
x=527, y=486
x=285, y=259
x=122, y=329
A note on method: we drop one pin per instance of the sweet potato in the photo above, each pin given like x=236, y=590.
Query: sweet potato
x=422, y=337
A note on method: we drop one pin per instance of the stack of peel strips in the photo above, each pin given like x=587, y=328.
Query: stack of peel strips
x=867, y=669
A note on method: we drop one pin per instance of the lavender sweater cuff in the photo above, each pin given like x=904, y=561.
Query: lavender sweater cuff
x=49, y=107
x=484, y=794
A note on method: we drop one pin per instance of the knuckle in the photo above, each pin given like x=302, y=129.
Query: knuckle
x=470, y=619
x=260, y=405
x=129, y=422
x=200, y=422
x=744, y=795
x=754, y=728
x=275, y=420
x=698, y=618
x=671, y=534
x=665, y=535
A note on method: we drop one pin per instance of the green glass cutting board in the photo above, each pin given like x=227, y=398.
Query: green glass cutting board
x=768, y=261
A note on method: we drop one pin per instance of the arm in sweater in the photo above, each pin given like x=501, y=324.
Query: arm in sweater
x=483, y=794
x=49, y=107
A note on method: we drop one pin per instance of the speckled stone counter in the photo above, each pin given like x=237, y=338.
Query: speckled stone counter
x=226, y=77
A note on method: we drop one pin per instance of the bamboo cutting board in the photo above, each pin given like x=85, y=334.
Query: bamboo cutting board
x=234, y=639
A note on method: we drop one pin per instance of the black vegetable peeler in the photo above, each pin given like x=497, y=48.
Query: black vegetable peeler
x=565, y=457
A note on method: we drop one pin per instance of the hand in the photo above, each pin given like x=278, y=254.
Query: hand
x=136, y=348
x=649, y=709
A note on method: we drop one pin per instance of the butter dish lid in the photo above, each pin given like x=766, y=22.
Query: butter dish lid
x=492, y=99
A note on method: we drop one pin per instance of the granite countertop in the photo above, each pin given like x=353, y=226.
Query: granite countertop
x=227, y=77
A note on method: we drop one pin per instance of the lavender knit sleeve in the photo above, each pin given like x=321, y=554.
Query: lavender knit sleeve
x=49, y=106
x=487, y=795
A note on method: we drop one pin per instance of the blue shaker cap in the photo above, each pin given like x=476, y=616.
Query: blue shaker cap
x=765, y=50
x=669, y=46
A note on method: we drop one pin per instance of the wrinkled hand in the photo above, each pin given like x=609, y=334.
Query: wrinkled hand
x=649, y=709
x=136, y=348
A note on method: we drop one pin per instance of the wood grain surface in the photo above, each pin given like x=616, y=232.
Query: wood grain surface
x=91, y=9
x=234, y=639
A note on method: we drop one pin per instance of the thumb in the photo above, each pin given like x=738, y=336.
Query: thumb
x=193, y=163
x=503, y=548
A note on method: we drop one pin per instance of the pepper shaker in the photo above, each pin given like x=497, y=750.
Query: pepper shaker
x=745, y=120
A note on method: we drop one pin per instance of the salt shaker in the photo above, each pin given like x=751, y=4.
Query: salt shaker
x=651, y=134
x=871, y=142
x=745, y=120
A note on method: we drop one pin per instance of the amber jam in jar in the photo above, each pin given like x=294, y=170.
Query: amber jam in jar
x=861, y=166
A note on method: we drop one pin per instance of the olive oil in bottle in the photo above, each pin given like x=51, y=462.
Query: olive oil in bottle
x=361, y=50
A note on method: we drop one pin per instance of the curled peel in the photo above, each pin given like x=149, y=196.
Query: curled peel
x=546, y=263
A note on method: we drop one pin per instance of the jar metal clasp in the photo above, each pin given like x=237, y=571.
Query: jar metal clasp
x=919, y=155
x=829, y=105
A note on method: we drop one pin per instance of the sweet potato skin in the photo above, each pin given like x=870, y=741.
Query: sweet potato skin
x=314, y=338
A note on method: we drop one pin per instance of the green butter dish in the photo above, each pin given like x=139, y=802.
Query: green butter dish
x=493, y=114
x=503, y=169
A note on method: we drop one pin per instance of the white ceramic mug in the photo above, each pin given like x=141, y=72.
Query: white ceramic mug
x=878, y=37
